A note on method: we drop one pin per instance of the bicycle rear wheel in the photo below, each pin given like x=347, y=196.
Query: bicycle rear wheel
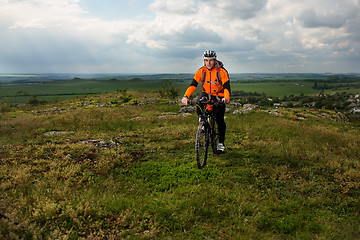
x=202, y=144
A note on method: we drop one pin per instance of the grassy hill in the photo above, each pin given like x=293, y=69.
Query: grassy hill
x=102, y=168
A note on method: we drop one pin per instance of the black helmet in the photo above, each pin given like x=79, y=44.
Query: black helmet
x=209, y=54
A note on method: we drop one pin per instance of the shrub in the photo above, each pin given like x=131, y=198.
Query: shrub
x=169, y=91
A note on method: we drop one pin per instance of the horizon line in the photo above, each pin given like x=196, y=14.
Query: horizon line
x=94, y=73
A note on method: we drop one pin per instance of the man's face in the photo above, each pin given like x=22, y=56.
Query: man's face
x=209, y=63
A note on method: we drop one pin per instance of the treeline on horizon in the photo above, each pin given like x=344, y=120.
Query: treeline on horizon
x=243, y=77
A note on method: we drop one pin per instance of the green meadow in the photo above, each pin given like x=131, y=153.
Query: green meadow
x=276, y=88
x=22, y=92
x=122, y=166
x=63, y=89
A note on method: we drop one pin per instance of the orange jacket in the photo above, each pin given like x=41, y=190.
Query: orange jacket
x=211, y=83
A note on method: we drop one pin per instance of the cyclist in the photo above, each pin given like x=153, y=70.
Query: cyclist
x=216, y=86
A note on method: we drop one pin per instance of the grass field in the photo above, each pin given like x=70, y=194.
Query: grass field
x=68, y=89
x=276, y=88
x=59, y=90
x=84, y=169
x=44, y=88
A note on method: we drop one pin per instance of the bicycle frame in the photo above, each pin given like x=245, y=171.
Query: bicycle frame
x=207, y=131
x=208, y=116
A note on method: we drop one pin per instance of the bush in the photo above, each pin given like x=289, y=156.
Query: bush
x=35, y=101
x=4, y=106
x=169, y=91
x=125, y=97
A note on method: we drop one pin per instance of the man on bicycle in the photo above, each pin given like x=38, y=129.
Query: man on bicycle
x=216, y=86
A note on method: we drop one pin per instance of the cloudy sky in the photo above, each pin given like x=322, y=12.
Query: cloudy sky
x=169, y=36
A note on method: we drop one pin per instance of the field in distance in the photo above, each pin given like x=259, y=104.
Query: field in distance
x=48, y=87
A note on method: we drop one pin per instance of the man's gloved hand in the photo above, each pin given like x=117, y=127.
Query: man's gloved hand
x=225, y=100
x=184, y=100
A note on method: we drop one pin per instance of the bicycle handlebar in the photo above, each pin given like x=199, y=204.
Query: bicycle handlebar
x=205, y=101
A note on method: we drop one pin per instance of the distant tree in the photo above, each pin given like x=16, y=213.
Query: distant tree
x=34, y=100
x=315, y=86
x=22, y=93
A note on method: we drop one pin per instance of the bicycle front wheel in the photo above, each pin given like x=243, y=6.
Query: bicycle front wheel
x=202, y=144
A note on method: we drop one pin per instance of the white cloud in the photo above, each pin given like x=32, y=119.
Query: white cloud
x=313, y=20
x=242, y=9
x=40, y=13
x=249, y=35
x=171, y=7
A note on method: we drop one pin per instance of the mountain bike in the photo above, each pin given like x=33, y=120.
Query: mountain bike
x=207, y=131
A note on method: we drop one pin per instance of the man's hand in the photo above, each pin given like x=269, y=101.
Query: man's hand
x=225, y=100
x=184, y=100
